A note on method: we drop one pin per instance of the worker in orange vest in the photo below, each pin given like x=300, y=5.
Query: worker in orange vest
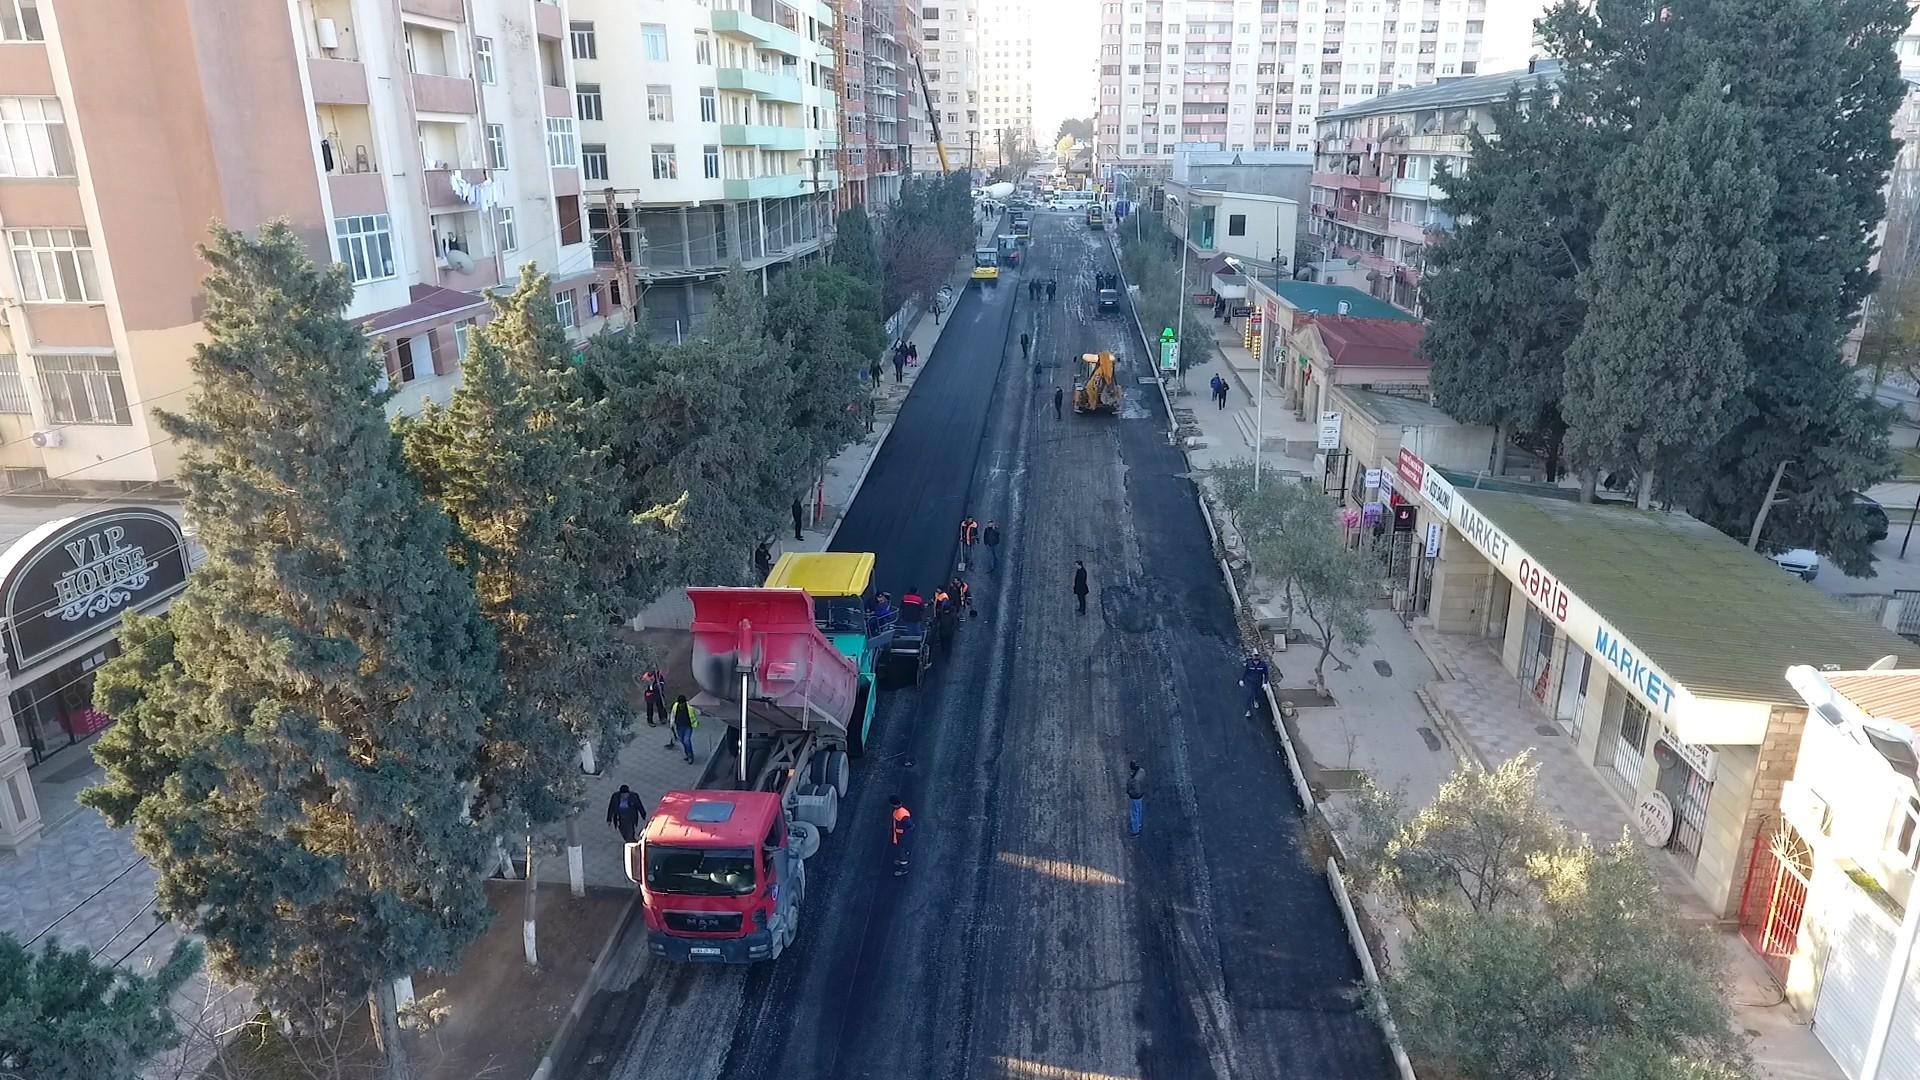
x=900, y=833
x=969, y=531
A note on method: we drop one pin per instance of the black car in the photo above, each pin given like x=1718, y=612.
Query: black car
x=1873, y=512
x=1109, y=299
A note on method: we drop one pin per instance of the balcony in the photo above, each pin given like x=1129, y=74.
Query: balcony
x=547, y=22
x=1349, y=182
x=1411, y=231
x=761, y=84
x=444, y=94
x=764, y=136
x=1373, y=223
x=768, y=34
x=440, y=194
x=450, y=10
x=556, y=100
x=337, y=82
x=769, y=187
x=1439, y=144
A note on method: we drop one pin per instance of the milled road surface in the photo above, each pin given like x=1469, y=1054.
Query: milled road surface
x=1034, y=939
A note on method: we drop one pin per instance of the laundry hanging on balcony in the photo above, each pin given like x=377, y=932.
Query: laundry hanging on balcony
x=481, y=196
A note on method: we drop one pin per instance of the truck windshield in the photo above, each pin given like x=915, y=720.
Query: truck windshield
x=700, y=871
x=842, y=614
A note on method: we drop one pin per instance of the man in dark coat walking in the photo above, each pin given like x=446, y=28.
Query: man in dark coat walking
x=1058, y=396
x=1136, y=797
x=1080, y=585
x=992, y=538
x=796, y=520
x=624, y=812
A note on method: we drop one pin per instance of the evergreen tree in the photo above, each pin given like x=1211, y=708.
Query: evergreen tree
x=307, y=721
x=811, y=311
x=516, y=462
x=66, y=1016
x=854, y=249
x=1679, y=263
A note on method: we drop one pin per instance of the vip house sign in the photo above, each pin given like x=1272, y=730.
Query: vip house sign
x=68, y=580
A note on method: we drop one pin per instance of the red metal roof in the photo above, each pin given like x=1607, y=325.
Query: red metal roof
x=674, y=820
x=1373, y=343
x=429, y=303
x=1884, y=695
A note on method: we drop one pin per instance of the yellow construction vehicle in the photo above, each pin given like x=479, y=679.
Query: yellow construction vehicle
x=1095, y=389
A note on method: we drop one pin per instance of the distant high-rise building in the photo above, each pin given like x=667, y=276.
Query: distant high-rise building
x=950, y=53
x=1253, y=74
x=1004, y=75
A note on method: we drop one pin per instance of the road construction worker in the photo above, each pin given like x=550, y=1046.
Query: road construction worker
x=899, y=834
x=969, y=532
x=912, y=598
x=963, y=596
x=943, y=615
x=1253, y=677
x=1026, y=343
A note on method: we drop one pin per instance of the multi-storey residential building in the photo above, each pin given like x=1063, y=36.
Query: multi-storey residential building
x=1005, y=76
x=1253, y=74
x=877, y=84
x=127, y=125
x=1373, y=198
x=950, y=55
x=710, y=130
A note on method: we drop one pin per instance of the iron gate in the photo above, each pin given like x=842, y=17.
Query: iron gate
x=1775, y=896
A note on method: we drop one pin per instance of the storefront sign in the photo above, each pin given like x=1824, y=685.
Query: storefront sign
x=1547, y=594
x=1433, y=539
x=1412, y=469
x=1329, y=431
x=70, y=580
x=1638, y=673
x=1436, y=490
x=1654, y=815
x=1699, y=758
x=1386, y=480
x=1373, y=478
x=1483, y=534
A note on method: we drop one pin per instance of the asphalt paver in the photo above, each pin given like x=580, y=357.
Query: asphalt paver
x=1033, y=937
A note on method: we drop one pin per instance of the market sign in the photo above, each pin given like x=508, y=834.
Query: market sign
x=71, y=580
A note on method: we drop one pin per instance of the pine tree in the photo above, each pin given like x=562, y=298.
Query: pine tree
x=308, y=717
x=1679, y=264
x=67, y=1016
x=810, y=310
x=854, y=249
x=515, y=461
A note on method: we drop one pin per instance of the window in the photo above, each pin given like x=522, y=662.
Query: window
x=83, y=390
x=483, y=58
x=20, y=21
x=13, y=392
x=561, y=145
x=33, y=137
x=496, y=146
x=929, y=14
x=462, y=332
x=1236, y=224
x=654, y=37
x=55, y=266
x=506, y=232
x=665, y=164
x=931, y=33
x=710, y=162
x=580, y=36
x=586, y=99
x=709, y=106
x=659, y=102
x=702, y=48
x=563, y=309
x=365, y=244
x=593, y=161
x=1906, y=831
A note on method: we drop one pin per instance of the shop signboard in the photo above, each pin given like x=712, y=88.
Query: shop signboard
x=71, y=580
x=1411, y=468
x=1437, y=491
x=1433, y=539
x=1329, y=432
x=1373, y=478
x=1654, y=815
x=1702, y=759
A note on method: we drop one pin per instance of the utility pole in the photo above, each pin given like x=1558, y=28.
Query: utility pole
x=616, y=239
x=973, y=138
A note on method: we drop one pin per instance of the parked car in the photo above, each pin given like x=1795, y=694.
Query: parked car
x=1875, y=514
x=1109, y=300
x=1803, y=563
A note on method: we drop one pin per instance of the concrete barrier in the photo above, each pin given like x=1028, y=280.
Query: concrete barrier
x=596, y=975
x=1339, y=886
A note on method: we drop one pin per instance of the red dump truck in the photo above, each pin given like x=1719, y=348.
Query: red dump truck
x=722, y=867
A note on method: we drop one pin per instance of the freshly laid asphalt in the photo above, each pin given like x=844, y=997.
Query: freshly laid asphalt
x=1034, y=939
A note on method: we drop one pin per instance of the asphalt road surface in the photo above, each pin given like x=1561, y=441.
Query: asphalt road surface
x=1034, y=939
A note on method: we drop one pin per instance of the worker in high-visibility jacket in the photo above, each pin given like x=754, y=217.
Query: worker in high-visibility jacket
x=900, y=834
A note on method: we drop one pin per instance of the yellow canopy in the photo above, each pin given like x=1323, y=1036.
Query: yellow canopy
x=823, y=574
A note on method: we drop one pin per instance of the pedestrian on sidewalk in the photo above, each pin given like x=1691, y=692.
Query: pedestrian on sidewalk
x=796, y=519
x=1136, y=797
x=1219, y=387
x=874, y=372
x=899, y=834
x=763, y=560
x=899, y=365
x=1080, y=584
x=653, y=688
x=625, y=812
x=1025, y=343
x=992, y=538
x=913, y=354
x=1059, y=396
x=1253, y=676
x=685, y=719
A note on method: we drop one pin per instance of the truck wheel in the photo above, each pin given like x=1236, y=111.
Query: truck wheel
x=804, y=838
x=829, y=808
x=838, y=771
x=818, y=772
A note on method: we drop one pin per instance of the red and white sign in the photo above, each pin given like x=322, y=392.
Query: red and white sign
x=1411, y=468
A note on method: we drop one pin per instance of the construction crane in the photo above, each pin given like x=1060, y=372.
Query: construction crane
x=933, y=117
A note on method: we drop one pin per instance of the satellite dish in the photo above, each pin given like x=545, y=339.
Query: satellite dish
x=460, y=260
x=1885, y=663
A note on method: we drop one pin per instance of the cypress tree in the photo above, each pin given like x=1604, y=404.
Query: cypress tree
x=66, y=1016
x=307, y=720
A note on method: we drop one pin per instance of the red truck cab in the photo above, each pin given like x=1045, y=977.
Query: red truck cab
x=719, y=879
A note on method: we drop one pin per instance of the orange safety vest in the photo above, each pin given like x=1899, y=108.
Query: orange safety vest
x=967, y=530
x=940, y=598
x=900, y=819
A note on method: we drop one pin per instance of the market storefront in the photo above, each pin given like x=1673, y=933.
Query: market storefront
x=64, y=588
x=1653, y=643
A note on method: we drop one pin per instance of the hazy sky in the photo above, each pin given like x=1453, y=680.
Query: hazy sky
x=1066, y=40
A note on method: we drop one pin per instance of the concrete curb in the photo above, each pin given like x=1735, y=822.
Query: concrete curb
x=1307, y=801
x=595, y=975
x=1359, y=941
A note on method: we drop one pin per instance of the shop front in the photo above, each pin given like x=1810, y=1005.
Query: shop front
x=64, y=588
x=1655, y=645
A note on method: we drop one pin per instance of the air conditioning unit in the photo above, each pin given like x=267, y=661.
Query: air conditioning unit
x=327, y=33
x=52, y=438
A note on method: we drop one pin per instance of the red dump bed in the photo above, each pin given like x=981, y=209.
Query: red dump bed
x=798, y=678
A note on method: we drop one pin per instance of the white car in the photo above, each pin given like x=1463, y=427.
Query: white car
x=1800, y=562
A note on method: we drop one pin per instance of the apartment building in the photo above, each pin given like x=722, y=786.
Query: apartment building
x=1373, y=199
x=708, y=135
x=1255, y=74
x=382, y=131
x=950, y=56
x=878, y=85
x=1005, y=75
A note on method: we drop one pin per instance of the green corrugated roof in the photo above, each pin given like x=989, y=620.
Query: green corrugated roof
x=1393, y=409
x=1325, y=299
x=1721, y=619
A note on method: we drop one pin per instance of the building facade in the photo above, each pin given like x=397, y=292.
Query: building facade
x=1005, y=78
x=411, y=142
x=709, y=136
x=1374, y=200
x=1255, y=74
x=950, y=59
x=878, y=86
